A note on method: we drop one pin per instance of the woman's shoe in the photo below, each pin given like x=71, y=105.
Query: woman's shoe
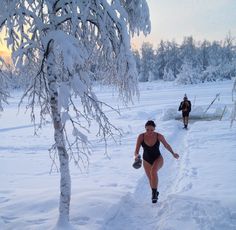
x=155, y=195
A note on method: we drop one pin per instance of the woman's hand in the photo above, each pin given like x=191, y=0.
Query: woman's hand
x=176, y=155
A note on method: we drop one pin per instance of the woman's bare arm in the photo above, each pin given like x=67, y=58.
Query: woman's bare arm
x=167, y=146
x=138, y=144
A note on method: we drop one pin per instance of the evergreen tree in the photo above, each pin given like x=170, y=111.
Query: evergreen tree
x=204, y=54
x=227, y=49
x=215, y=54
x=173, y=61
x=147, y=61
x=160, y=61
x=138, y=61
x=188, y=51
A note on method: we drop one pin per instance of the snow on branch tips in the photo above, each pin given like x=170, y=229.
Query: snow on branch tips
x=138, y=17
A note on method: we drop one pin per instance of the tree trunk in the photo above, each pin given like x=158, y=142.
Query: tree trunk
x=65, y=182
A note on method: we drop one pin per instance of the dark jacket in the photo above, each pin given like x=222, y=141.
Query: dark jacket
x=185, y=106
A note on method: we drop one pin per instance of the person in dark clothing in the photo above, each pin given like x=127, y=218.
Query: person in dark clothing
x=152, y=158
x=185, y=106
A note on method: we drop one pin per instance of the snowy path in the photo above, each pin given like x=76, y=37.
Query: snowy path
x=174, y=208
x=135, y=211
x=196, y=192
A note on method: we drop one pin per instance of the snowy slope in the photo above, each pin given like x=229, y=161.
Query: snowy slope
x=196, y=192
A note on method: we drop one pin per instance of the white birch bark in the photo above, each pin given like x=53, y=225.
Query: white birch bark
x=65, y=181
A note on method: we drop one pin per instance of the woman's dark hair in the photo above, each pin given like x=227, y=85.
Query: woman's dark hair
x=150, y=123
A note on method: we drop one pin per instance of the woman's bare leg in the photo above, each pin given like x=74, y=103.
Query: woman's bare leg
x=147, y=168
x=158, y=163
x=183, y=120
x=186, y=120
x=151, y=171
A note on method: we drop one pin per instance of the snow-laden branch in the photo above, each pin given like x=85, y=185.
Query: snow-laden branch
x=4, y=94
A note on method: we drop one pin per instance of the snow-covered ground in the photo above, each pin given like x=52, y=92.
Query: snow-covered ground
x=196, y=192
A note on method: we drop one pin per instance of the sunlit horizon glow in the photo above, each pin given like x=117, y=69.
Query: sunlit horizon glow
x=5, y=55
x=4, y=51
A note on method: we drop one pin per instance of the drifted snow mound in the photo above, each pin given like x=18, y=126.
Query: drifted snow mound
x=199, y=113
x=169, y=114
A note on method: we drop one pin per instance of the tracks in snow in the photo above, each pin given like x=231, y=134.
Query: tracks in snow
x=173, y=210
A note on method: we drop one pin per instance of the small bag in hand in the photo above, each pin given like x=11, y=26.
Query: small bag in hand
x=138, y=162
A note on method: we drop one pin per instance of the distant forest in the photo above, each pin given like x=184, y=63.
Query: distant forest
x=188, y=63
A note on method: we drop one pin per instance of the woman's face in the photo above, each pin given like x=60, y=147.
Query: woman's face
x=149, y=129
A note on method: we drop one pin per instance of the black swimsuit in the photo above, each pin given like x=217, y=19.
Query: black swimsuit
x=151, y=153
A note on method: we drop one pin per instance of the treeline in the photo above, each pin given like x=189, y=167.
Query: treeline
x=188, y=63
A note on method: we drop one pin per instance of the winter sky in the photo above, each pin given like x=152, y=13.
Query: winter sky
x=203, y=19
x=174, y=19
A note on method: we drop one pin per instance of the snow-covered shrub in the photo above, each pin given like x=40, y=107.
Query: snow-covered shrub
x=220, y=72
x=151, y=76
x=168, y=75
x=188, y=75
x=141, y=77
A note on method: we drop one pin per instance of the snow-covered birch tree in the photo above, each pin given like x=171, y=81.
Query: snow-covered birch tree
x=65, y=44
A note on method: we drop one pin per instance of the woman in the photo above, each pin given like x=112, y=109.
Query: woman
x=152, y=158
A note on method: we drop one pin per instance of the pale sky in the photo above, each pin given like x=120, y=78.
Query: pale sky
x=176, y=19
